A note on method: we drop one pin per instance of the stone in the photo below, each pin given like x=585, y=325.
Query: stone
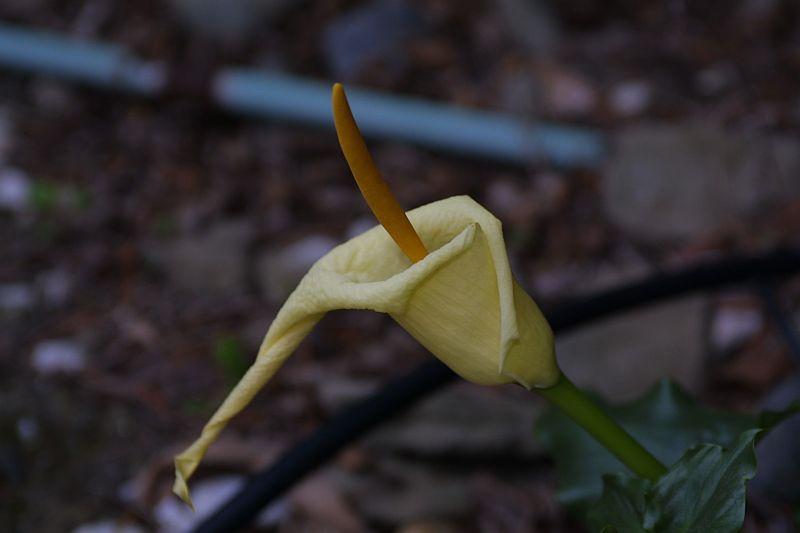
x=672, y=183
x=464, y=421
x=108, y=526
x=55, y=287
x=731, y=326
x=623, y=356
x=337, y=392
x=212, y=260
x=27, y=429
x=630, y=98
x=16, y=298
x=716, y=78
x=565, y=92
x=15, y=189
x=532, y=24
x=280, y=270
x=404, y=491
x=321, y=498
x=58, y=356
x=230, y=22
x=171, y=514
x=372, y=31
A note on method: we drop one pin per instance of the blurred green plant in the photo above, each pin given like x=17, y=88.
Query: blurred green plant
x=44, y=196
x=198, y=406
x=47, y=197
x=230, y=355
x=711, y=453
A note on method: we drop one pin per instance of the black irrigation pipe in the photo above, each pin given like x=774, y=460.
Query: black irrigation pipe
x=781, y=319
x=401, y=393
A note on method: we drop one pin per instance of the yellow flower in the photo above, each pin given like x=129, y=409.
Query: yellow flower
x=460, y=301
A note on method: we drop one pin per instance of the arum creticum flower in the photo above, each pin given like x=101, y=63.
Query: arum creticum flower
x=441, y=272
x=460, y=302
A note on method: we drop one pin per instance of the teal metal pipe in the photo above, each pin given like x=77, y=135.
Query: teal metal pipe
x=468, y=132
x=103, y=65
x=445, y=127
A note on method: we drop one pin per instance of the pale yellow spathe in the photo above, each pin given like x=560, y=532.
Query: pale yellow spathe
x=461, y=302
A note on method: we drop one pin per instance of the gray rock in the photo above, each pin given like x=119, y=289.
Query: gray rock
x=108, y=526
x=731, y=326
x=532, y=24
x=27, y=429
x=622, y=357
x=672, y=183
x=467, y=421
x=565, y=92
x=15, y=189
x=16, y=298
x=209, y=261
x=403, y=491
x=62, y=356
x=336, y=392
x=230, y=22
x=171, y=514
x=321, y=500
x=630, y=98
x=716, y=78
x=55, y=287
x=280, y=270
x=375, y=30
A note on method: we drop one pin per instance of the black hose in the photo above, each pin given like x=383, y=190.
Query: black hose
x=782, y=320
x=401, y=393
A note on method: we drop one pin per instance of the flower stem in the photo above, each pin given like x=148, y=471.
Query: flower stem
x=587, y=414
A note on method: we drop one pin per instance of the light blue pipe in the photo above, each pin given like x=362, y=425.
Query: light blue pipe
x=446, y=127
x=103, y=65
x=279, y=96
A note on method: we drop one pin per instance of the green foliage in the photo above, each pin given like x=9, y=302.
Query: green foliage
x=44, y=196
x=230, y=356
x=703, y=491
x=47, y=197
x=668, y=423
x=623, y=503
x=198, y=407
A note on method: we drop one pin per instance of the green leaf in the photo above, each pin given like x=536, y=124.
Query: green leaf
x=703, y=491
x=666, y=421
x=622, y=506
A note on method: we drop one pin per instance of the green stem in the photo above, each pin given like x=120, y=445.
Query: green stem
x=585, y=412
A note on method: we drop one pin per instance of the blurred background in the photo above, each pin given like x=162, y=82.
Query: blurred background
x=150, y=229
